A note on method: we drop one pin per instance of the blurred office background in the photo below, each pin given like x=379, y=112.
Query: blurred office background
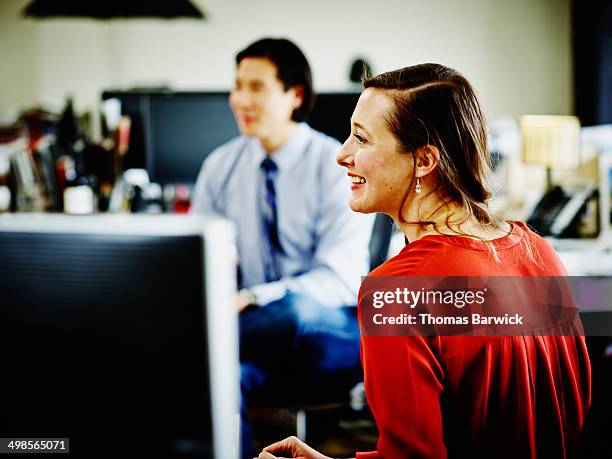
x=524, y=58
x=517, y=54
x=545, y=58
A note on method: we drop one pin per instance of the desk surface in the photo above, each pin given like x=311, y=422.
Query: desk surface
x=585, y=257
x=581, y=257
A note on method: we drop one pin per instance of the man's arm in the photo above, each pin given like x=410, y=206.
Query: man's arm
x=201, y=201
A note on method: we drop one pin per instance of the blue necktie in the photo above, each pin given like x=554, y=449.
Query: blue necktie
x=270, y=220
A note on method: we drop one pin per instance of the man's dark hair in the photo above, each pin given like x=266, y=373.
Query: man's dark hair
x=291, y=66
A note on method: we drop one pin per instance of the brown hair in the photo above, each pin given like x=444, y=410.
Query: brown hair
x=435, y=105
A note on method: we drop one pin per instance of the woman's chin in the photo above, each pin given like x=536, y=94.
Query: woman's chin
x=357, y=206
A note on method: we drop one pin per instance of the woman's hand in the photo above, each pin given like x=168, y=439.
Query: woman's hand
x=290, y=447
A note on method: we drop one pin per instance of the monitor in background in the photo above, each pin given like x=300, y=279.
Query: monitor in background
x=332, y=114
x=120, y=333
x=184, y=129
x=173, y=132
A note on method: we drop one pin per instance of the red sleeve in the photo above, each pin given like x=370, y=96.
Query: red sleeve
x=369, y=455
x=403, y=380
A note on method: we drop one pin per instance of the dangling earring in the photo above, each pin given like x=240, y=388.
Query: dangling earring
x=418, y=186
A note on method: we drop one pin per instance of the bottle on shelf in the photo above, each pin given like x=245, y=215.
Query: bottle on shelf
x=78, y=195
x=78, y=192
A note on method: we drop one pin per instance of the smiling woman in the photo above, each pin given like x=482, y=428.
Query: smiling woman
x=418, y=153
x=438, y=129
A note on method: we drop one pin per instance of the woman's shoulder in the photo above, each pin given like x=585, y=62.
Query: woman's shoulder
x=414, y=258
x=521, y=252
x=538, y=254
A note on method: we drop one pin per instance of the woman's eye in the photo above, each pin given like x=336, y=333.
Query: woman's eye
x=359, y=138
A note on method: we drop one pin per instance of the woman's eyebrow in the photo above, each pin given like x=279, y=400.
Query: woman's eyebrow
x=357, y=125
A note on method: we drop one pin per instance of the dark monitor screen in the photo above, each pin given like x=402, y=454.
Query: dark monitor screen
x=105, y=334
x=185, y=128
x=332, y=114
x=173, y=132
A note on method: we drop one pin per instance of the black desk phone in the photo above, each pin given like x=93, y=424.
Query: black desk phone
x=558, y=212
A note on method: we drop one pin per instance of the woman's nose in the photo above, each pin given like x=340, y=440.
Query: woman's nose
x=345, y=157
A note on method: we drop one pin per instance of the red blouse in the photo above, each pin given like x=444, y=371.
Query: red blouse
x=503, y=396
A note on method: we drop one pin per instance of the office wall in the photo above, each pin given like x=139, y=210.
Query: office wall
x=517, y=53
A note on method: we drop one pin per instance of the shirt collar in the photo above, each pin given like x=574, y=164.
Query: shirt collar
x=290, y=151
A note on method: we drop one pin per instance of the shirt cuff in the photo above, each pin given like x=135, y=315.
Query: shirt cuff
x=369, y=455
x=267, y=293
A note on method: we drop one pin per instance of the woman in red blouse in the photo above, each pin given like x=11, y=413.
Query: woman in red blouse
x=418, y=152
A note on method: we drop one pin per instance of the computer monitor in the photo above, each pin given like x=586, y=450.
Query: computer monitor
x=332, y=114
x=119, y=332
x=173, y=132
x=185, y=128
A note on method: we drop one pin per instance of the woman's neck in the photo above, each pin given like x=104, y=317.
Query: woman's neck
x=450, y=219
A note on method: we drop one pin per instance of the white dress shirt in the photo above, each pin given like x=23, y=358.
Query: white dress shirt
x=325, y=243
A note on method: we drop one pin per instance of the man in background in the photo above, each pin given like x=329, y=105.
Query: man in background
x=301, y=249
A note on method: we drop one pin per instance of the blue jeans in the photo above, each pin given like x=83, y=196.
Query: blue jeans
x=294, y=332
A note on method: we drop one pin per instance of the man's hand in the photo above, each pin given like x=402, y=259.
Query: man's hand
x=240, y=303
x=291, y=447
x=244, y=299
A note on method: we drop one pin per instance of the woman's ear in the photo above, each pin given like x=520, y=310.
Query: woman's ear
x=428, y=158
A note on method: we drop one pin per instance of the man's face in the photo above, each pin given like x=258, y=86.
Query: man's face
x=259, y=101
